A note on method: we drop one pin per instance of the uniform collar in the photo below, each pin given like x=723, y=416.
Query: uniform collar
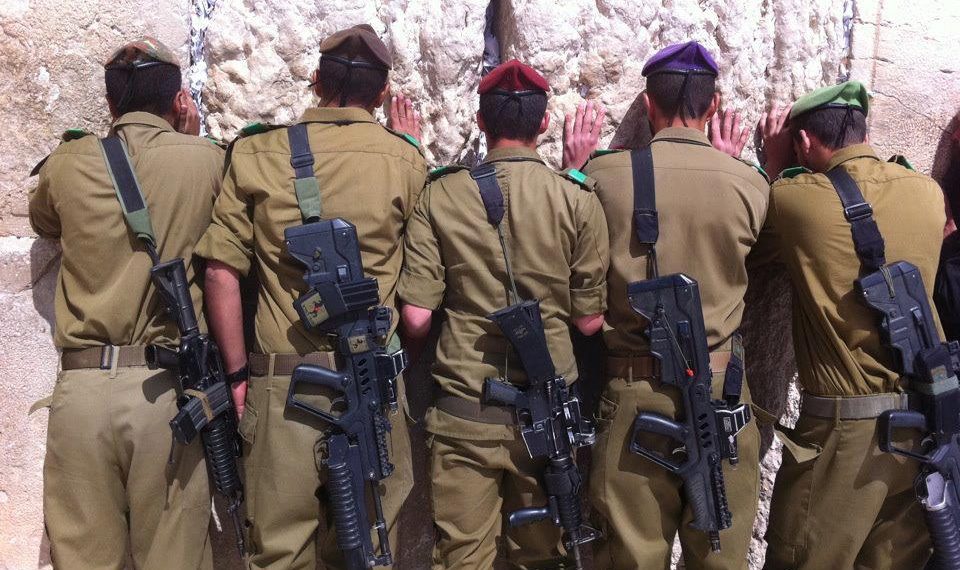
x=512, y=152
x=141, y=118
x=336, y=115
x=682, y=135
x=851, y=152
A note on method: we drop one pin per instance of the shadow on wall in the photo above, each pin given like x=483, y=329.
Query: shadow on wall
x=44, y=267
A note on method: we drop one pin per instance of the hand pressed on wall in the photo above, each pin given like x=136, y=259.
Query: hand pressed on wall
x=777, y=140
x=403, y=118
x=726, y=134
x=581, y=133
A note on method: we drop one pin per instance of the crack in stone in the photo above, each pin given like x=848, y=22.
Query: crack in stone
x=197, y=74
x=900, y=101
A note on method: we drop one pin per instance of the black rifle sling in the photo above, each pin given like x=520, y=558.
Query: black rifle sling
x=128, y=189
x=485, y=175
x=646, y=226
x=305, y=182
x=645, y=220
x=867, y=241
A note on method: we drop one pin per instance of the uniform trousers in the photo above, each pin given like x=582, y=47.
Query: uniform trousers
x=474, y=484
x=109, y=491
x=839, y=502
x=286, y=499
x=640, y=507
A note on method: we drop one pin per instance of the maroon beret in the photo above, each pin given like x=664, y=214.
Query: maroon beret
x=513, y=76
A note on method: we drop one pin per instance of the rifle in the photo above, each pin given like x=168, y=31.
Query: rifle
x=341, y=301
x=931, y=367
x=707, y=432
x=204, y=401
x=550, y=422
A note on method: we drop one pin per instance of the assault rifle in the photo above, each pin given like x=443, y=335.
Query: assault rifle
x=931, y=367
x=707, y=432
x=550, y=422
x=340, y=300
x=205, y=405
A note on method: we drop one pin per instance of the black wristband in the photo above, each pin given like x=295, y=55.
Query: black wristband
x=241, y=375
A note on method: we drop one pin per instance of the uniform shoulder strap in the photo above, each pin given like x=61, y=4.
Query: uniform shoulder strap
x=606, y=151
x=581, y=179
x=793, y=172
x=305, y=182
x=441, y=171
x=756, y=167
x=406, y=137
x=646, y=222
x=67, y=136
x=867, y=241
x=902, y=161
x=127, y=187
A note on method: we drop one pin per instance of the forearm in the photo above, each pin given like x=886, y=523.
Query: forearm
x=225, y=313
x=416, y=322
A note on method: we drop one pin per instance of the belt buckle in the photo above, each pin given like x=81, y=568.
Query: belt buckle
x=106, y=356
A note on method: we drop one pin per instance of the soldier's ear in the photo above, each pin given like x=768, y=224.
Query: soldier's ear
x=714, y=105
x=315, y=82
x=481, y=123
x=384, y=93
x=649, y=106
x=544, y=123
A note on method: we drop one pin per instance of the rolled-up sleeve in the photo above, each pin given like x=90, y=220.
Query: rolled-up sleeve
x=229, y=238
x=422, y=280
x=590, y=260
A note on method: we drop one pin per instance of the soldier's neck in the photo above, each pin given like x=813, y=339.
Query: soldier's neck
x=494, y=144
x=658, y=124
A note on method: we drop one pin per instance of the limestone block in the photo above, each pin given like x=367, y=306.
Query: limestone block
x=28, y=367
x=906, y=55
x=53, y=54
x=261, y=56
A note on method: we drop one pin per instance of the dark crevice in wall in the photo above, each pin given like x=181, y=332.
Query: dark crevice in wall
x=197, y=74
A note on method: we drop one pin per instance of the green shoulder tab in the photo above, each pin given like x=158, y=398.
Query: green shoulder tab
x=73, y=134
x=410, y=139
x=902, y=161
x=442, y=171
x=756, y=167
x=606, y=151
x=257, y=128
x=215, y=142
x=580, y=178
x=793, y=172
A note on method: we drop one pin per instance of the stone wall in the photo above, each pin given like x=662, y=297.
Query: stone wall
x=250, y=60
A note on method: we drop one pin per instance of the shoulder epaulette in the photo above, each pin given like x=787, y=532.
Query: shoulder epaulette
x=757, y=168
x=580, y=178
x=793, y=172
x=606, y=151
x=410, y=139
x=258, y=128
x=73, y=134
x=216, y=142
x=442, y=171
x=67, y=136
x=902, y=161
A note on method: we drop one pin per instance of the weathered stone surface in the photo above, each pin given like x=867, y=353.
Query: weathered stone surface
x=53, y=54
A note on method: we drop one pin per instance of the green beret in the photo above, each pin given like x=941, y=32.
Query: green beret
x=849, y=95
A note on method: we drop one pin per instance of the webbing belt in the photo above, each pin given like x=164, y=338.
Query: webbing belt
x=305, y=183
x=867, y=241
x=127, y=187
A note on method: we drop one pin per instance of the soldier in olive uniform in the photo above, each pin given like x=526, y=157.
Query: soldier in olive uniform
x=109, y=490
x=368, y=175
x=839, y=502
x=556, y=238
x=640, y=505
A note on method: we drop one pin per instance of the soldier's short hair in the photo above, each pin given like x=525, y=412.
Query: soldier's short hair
x=667, y=89
x=508, y=116
x=835, y=127
x=150, y=89
x=363, y=88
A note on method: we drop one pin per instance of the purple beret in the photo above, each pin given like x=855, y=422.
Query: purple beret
x=689, y=57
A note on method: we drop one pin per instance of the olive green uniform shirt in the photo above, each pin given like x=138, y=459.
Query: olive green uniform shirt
x=556, y=237
x=367, y=176
x=836, y=335
x=711, y=209
x=104, y=294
